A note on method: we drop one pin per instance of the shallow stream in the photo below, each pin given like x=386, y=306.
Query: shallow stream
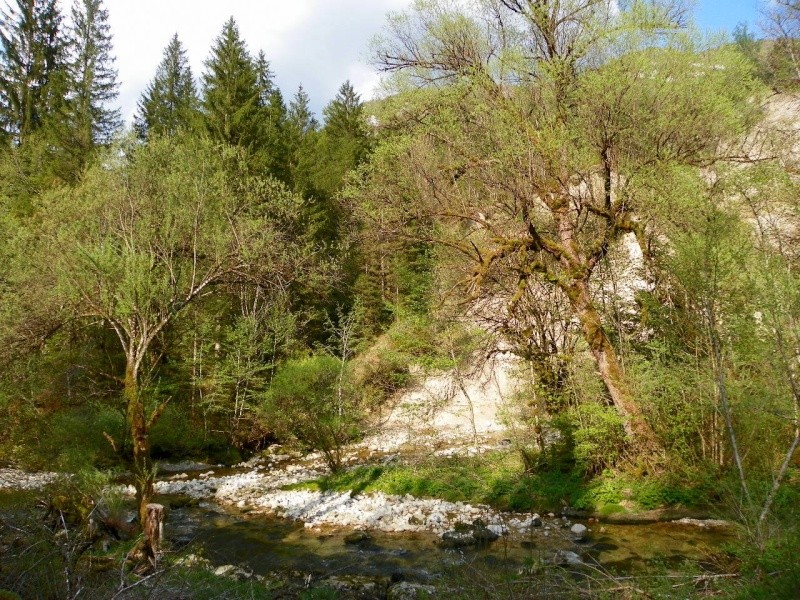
x=264, y=544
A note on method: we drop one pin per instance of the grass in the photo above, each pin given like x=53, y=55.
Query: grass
x=497, y=479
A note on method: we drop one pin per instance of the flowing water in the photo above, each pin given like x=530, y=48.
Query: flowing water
x=264, y=544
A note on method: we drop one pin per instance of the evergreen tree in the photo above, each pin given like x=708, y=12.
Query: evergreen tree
x=93, y=77
x=301, y=119
x=301, y=130
x=231, y=91
x=273, y=149
x=170, y=102
x=344, y=116
x=344, y=141
x=32, y=51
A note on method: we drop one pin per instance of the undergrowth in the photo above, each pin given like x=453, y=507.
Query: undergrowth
x=498, y=479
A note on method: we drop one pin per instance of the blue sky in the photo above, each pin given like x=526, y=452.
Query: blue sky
x=716, y=15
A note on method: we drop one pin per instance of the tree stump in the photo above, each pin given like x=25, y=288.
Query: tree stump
x=153, y=528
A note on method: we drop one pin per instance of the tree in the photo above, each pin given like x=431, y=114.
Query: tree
x=782, y=24
x=32, y=52
x=231, y=93
x=149, y=232
x=169, y=103
x=272, y=122
x=544, y=133
x=93, y=78
x=344, y=142
x=300, y=134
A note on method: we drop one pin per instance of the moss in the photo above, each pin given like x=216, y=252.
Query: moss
x=610, y=509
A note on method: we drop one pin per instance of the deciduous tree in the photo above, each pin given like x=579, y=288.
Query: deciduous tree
x=543, y=133
x=149, y=232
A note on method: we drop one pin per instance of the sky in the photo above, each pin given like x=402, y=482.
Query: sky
x=316, y=43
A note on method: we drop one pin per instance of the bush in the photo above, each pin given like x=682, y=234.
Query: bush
x=311, y=401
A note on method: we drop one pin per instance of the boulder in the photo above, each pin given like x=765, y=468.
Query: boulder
x=579, y=532
x=567, y=558
x=455, y=539
x=484, y=535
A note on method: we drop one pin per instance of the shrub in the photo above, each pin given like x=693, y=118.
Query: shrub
x=310, y=400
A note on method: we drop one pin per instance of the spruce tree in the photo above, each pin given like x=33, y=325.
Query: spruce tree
x=231, y=92
x=301, y=130
x=32, y=51
x=272, y=148
x=344, y=116
x=170, y=102
x=93, y=78
x=344, y=141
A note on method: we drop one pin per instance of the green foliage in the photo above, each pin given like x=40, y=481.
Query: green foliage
x=92, y=77
x=170, y=102
x=599, y=439
x=67, y=440
x=497, y=479
x=33, y=47
x=175, y=436
x=231, y=96
x=770, y=570
x=309, y=399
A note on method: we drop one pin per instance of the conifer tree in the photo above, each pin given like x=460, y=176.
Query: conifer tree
x=231, y=92
x=344, y=116
x=301, y=130
x=32, y=51
x=93, y=78
x=273, y=147
x=344, y=142
x=301, y=119
x=170, y=102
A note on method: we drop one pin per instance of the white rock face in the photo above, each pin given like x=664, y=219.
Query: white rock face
x=457, y=406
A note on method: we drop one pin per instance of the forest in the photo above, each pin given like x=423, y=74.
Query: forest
x=597, y=196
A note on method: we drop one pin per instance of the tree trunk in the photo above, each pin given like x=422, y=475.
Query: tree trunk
x=142, y=463
x=636, y=427
x=153, y=529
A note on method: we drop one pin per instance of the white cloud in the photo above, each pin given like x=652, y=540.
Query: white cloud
x=319, y=43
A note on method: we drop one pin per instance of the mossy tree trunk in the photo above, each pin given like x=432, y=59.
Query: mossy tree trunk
x=609, y=368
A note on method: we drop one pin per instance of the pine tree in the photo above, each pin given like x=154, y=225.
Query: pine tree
x=32, y=52
x=231, y=92
x=170, y=102
x=93, y=77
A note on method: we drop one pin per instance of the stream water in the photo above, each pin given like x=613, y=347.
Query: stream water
x=263, y=544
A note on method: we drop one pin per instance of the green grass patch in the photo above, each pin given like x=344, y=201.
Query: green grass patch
x=11, y=499
x=498, y=480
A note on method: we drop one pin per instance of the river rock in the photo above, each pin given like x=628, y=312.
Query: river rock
x=484, y=535
x=357, y=537
x=365, y=587
x=579, y=532
x=566, y=557
x=405, y=590
x=233, y=572
x=455, y=539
